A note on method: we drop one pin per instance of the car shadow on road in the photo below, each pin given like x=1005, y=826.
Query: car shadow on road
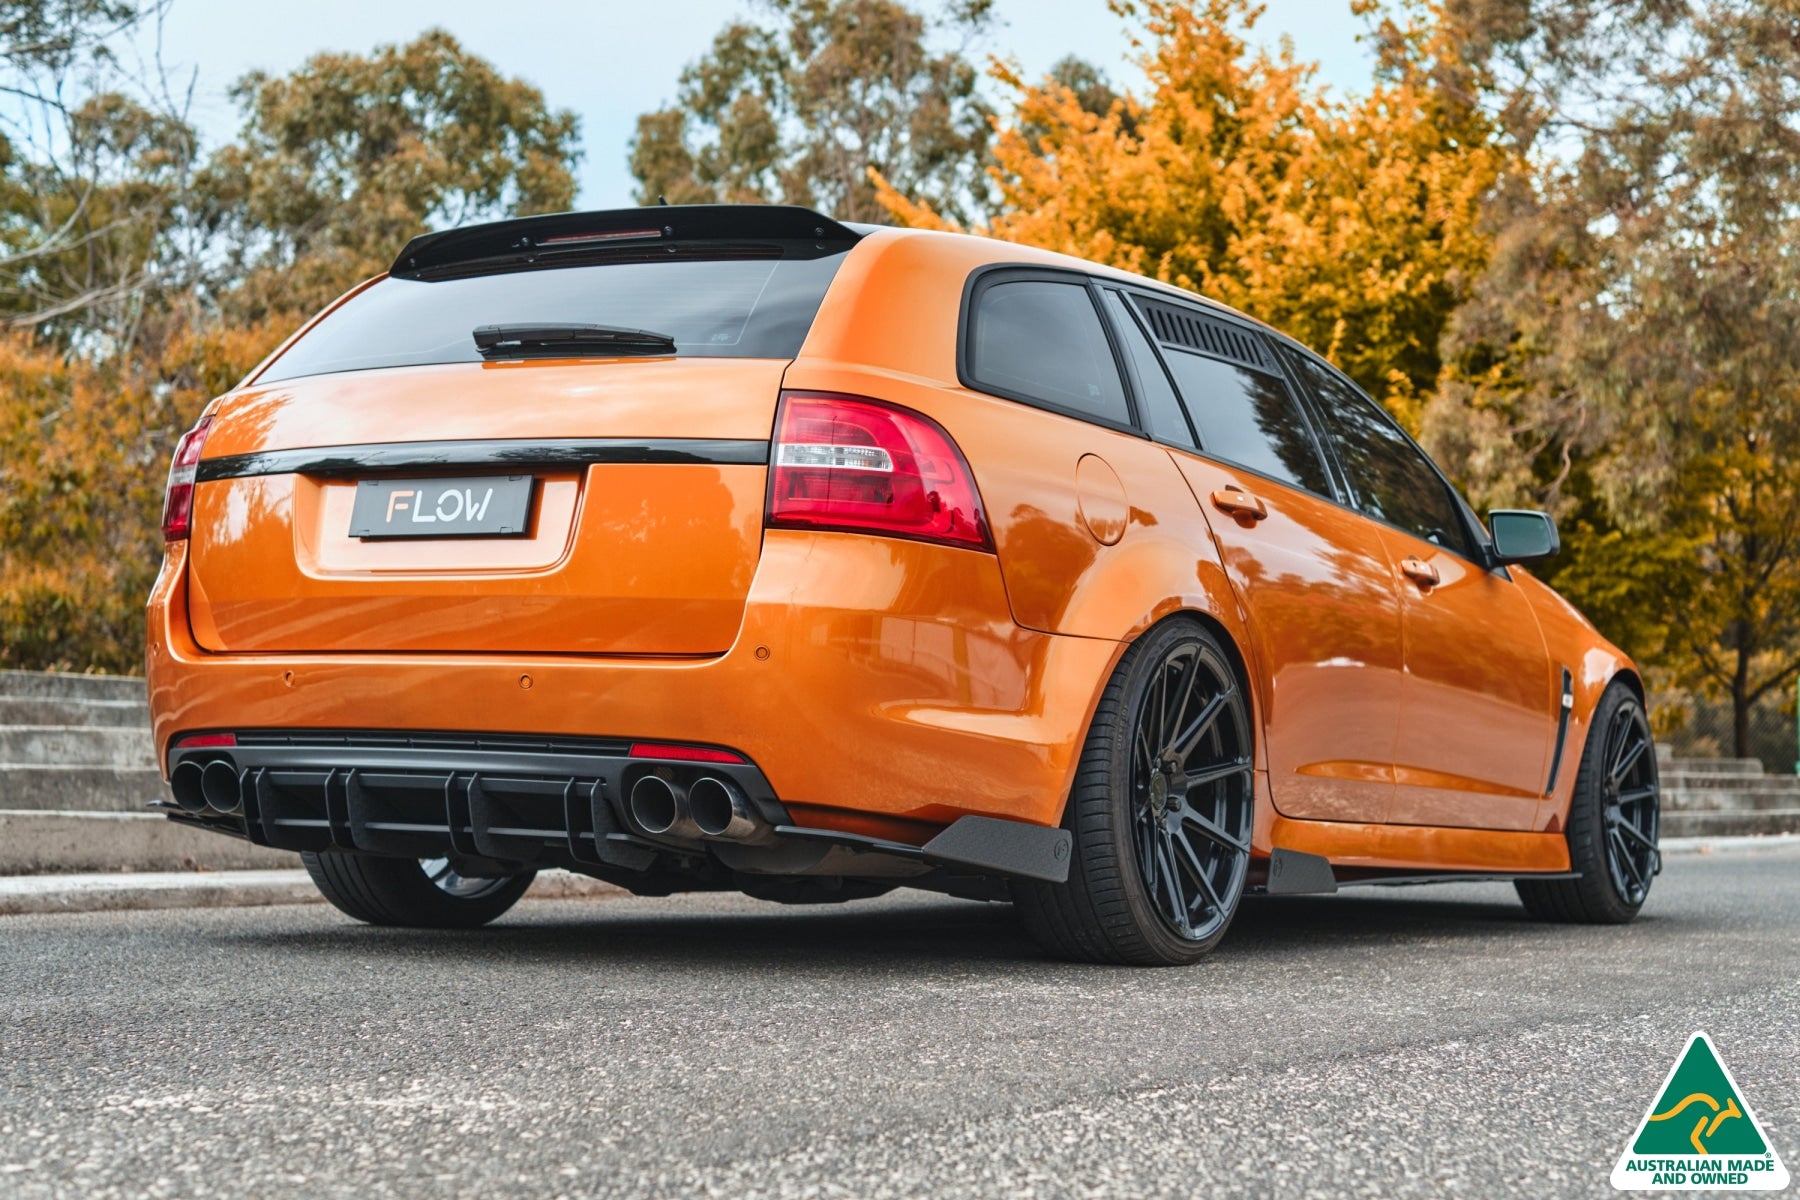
x=878, y=934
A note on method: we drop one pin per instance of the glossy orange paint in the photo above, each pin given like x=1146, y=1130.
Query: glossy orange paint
x=1479, y=705
x=880, y=684
x=276, y=570
x=1325, y=634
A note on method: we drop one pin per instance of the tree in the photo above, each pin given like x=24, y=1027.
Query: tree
x=85, y=446
x=1353, y=225
x=341, y=162
x=94, y=164
x=799, y=109
x=1633, y=352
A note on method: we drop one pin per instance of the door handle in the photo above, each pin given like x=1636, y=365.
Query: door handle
x=1419, y=571
x=1240, y=504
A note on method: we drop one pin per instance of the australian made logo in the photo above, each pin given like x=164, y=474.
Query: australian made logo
x=1700, y=1134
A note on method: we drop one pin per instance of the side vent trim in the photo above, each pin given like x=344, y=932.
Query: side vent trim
x=1192, y=330
x=1562, y=729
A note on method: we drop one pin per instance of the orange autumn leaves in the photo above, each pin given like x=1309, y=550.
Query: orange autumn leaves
x=84, y=451
x=1353, y=224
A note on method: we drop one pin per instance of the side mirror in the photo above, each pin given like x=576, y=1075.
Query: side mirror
x=1521, y=536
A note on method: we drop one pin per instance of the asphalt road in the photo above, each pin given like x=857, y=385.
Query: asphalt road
x=1420, y=1042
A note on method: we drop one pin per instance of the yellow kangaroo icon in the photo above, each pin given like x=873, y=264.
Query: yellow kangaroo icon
x=1730, y=1110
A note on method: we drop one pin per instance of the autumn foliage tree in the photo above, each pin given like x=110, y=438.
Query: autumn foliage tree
x=1631, y=358
x=151, y=280
x=1355, y=225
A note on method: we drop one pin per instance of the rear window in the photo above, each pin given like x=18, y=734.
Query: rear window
x=734, y=308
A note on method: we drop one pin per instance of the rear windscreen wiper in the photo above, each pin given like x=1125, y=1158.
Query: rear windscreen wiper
x=540, y=340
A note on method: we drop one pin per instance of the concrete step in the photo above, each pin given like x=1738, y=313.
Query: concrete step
x=1730, y=824
x=80, y=789
x=1707, y=766
x=39, y=843
x=112, y=714
x=74, y=746
x=1729, y=800
x=1721, y=779
x=39, y=685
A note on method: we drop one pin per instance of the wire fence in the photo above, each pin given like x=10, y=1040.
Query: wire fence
x=1699, y=726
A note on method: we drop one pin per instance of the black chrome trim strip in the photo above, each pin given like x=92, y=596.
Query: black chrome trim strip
x=507, y=452
x=1562, y=729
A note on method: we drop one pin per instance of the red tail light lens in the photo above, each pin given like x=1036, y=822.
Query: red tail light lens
x=862, y=466
x=178, y=499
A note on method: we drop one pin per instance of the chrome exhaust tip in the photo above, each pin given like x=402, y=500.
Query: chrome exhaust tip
x=221, y=788
x=186, y=782
x=721, y=810
x=661, y=807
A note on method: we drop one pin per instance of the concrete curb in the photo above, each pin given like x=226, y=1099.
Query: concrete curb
x=1710, y=845
x=113, y=843
x=27, y=894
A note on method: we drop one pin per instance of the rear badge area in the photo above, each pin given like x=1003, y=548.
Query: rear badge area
x=478, y=506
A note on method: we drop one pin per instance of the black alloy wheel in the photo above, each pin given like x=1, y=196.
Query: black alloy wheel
x=1161, y=811
x=1190, y=774
x=426, y=893
x=452, y=882
x=1614, y=822
x=1631, y=802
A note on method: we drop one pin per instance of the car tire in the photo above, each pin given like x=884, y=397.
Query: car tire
x=1614, y=816
x=427, y=894
x=1134, y=893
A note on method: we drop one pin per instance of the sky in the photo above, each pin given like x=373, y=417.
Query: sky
x=609, y=60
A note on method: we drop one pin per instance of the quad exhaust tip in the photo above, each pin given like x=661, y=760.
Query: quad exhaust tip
x=220, y=787
x=186, y=782
x=710, y=807
x=720, y=809
x=661, y=807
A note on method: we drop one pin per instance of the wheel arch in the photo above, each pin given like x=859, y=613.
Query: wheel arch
x=1163, y=615
x=1630, y=678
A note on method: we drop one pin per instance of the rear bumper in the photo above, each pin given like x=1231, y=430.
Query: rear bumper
x=880, y=687
x=523, y=802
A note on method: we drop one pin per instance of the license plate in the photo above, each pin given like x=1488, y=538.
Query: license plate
x=482, y=506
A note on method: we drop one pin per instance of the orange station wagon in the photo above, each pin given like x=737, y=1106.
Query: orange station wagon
x=731, y=547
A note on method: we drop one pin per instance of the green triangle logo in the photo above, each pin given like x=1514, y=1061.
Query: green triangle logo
x=1700, y=1133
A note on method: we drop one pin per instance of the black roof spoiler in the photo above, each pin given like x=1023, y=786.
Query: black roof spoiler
x=526, y=239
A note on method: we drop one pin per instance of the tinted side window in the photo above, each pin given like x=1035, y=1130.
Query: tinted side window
x=1162, y=415
x=1042, y=340
x=1394, y=481
x=1248, y=417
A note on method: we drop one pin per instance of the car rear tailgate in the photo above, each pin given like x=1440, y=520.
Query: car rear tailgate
x=645, y=522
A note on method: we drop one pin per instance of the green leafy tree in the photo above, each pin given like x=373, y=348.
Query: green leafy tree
x=94, y=166
x=339, y=163
x=800, y=108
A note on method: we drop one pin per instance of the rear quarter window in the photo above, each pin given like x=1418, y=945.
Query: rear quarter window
x=1041, y=341
x=758, y=307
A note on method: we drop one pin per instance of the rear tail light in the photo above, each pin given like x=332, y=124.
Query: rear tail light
x=178, y=499
x=862, y=466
